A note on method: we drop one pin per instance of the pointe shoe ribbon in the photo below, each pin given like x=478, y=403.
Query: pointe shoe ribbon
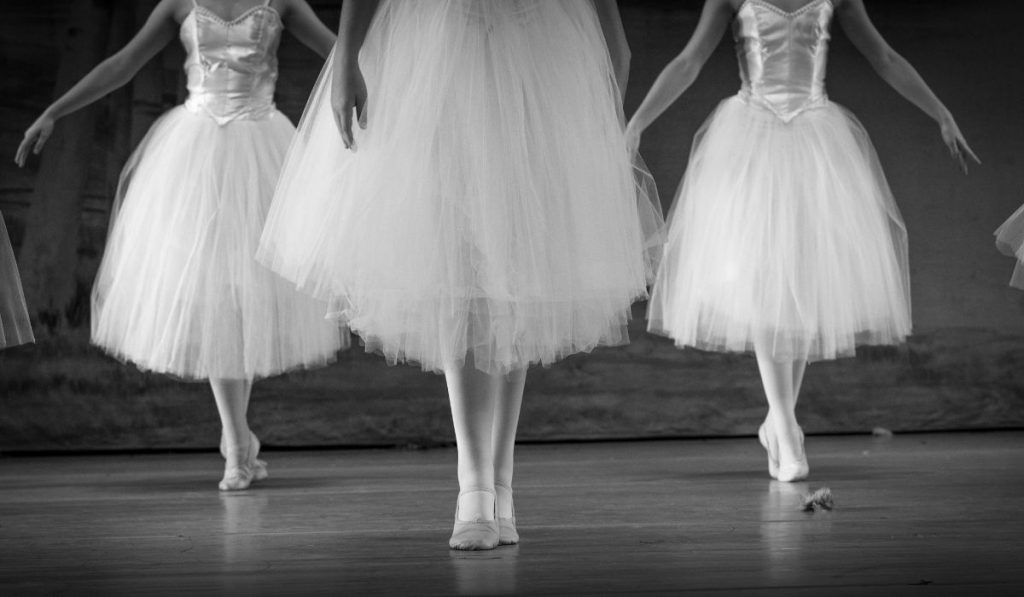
x=476, y=534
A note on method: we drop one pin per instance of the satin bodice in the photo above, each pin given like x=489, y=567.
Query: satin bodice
x=783, y=55
x=231, y=66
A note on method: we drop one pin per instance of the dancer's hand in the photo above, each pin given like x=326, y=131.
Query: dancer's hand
x=348, y=93
x=956, y=143
x=35, y=137
x=632, y=138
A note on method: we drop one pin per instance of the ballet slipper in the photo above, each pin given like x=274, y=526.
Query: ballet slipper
x=259, y=466
x=797, y=470
x=238, y=478
x=479, y=534
x=507, y=533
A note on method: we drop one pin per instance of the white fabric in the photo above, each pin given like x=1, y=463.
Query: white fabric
x=1010, y=240
x=491, y=206
x=15, y=328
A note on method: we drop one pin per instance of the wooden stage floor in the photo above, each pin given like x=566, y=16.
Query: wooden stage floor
x=937, y=514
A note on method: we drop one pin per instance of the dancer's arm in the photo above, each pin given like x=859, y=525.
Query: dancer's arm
x=348, y=89
x=684, y=68
x=303, y=23
x=897, y=72
x=159, y=29
x=615, y=38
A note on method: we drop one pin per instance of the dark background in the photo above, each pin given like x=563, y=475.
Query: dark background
x=962, y=368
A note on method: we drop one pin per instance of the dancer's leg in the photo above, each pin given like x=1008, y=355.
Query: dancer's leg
x=509, y=392
x=232, y=398
x=238, y=445
x=781, y=380
x=799, y=367
x=244, y=409
x=471, y=394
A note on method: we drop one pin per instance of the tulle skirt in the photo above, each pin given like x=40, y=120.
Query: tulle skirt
x=15, y=328
x=491, y=208
x=1010, y=241
x=784, y=237
x=179, y=290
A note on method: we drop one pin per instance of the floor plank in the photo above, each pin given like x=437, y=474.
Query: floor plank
x=915, y=514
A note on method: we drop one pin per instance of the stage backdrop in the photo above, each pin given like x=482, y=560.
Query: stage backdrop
x=963, y=368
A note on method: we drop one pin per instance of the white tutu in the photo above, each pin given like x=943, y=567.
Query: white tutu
x=1010, y=241
x=15, y=328
x=491, y=207
x=783, y=235
x=179, y=290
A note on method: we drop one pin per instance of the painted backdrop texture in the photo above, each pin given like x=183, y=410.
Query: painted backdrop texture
x=962, y=368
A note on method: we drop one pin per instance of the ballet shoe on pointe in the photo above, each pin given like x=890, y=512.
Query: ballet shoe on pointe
x=773, y=458
x=507, y=533
x=784, y=471
x=238, y=478
x=478, y=534
x=259, y=466
x=797, y=470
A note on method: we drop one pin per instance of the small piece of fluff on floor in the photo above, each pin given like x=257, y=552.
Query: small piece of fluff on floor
x=820, y=499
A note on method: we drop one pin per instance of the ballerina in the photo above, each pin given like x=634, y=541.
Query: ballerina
x=179, y=290
x=784, y=239
x=482, y=216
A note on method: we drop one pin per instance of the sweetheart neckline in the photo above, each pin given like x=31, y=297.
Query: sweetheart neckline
x=230, y=22
x=786, y=13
